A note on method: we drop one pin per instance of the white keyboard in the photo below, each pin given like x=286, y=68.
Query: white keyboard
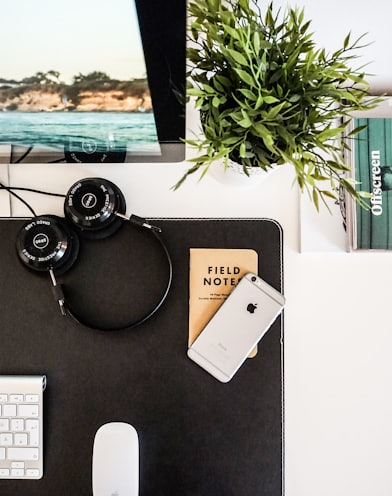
x=21, y=426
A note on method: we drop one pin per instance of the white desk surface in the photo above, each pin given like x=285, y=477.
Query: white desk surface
x=338, y=332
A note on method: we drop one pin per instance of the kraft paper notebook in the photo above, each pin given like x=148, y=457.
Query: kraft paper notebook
x=213, y=274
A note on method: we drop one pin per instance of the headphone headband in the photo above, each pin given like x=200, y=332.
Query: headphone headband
x=78, y=317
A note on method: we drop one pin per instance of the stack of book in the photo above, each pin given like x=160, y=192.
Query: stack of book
x=370, y=159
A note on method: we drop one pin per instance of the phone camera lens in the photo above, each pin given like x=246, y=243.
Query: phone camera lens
x=254, y=278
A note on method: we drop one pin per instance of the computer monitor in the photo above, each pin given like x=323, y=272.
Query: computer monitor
x=92, y=81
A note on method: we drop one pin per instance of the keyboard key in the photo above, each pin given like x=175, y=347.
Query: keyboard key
x=9, y=410
x=31, y=398
x=20, y=439
x=32, y=472
x=32, y=427
x=27, y=411
x=2, y=453
x=6, y=439
x=4, y=425
x=4, y=472
x=22, y=453
x=16, y=398
x=3, y=398
x=17, y=472
x=17, y=424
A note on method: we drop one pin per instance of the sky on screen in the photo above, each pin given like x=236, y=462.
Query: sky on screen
x=71, y=37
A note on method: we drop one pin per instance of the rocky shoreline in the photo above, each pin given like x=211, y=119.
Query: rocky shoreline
x=88, y=101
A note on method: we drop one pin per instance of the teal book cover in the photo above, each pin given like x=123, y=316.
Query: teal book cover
x=373, y=171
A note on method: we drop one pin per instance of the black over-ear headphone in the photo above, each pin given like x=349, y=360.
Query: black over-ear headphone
x=94, y=208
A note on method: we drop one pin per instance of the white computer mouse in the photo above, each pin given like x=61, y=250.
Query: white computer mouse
x=116, y=460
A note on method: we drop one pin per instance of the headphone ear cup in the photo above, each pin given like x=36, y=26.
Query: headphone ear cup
x=46, y=243
x=91, y=206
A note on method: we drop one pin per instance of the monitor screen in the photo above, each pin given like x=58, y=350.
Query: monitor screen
x=92, y=81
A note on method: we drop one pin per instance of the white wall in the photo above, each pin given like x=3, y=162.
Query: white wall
x=333, y=19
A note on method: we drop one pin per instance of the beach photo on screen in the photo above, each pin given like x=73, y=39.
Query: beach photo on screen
x=73, y=82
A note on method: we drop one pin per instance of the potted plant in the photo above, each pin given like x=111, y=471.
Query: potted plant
x=268, y=96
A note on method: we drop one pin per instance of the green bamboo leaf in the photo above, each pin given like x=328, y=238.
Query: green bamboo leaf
x=237, y=56
x=318, y=177
x=315, y=199
x=245, y=77
x=328, y=193
x=268, y=141
x=346, y=41
x=294, y=98
x=256, y=42
x=218, y=86
x=208, y=89
x=260, y=130
x=275, y=111
x=213, y=5
x=357, y=130
x=259, y=102
x=270, y=99
x=232, y=32
x=231, y=140
x=310, y=180
x=195, y=92
x=216, y=101
x=276, y=76
x=365, y=194
x=265, y=45
x=286, y=135
x=193, y=54
x=245, y=122
x=329, y=133
x=224, y=81
x=248, y=94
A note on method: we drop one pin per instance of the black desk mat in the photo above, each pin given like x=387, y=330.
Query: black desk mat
x=197, y=436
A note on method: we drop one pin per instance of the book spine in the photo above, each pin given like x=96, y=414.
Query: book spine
x=377, y=142
x=362, y=176
x=387, y=198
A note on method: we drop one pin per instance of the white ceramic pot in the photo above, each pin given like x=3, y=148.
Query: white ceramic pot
x=234, y=174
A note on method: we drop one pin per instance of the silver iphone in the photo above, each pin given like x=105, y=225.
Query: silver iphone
x=237, y=327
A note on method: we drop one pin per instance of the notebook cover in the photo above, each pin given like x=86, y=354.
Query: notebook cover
x=213, y=274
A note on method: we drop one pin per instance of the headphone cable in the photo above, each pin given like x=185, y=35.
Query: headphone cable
x=11, y=191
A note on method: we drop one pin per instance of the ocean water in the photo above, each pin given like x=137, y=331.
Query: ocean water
x=134, y=131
